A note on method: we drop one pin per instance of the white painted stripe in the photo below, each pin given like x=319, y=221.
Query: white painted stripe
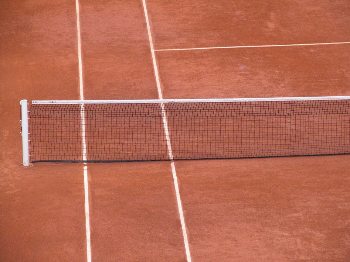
x=181, y=213
x=87, y=214
x=154, y=60
x=167, y=135
x=83, y=133
x=83, y=137
x=249, y=46
x=195, y=100
x=80, y=58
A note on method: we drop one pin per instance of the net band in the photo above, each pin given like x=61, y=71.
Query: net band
x=205, y=100
x=132, y=130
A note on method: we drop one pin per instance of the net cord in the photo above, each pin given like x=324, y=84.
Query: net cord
x=208, y=100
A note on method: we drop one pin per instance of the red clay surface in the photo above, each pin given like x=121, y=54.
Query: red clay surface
x=42, y=208
x=188, y=23
x=270, y=72
x=134, y=216
x=285, y=209
x=117, y=59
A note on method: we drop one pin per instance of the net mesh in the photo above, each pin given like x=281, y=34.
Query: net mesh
x=198, y=130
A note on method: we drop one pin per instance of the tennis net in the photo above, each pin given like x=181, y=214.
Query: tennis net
x=134, y=130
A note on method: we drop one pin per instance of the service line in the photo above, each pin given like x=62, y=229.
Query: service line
x=248, y=46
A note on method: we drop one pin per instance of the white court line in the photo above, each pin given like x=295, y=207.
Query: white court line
x=83, y=138
x=248, y=46
x=167, y=136
x=87, y=214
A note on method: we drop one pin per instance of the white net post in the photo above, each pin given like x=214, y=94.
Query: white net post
x=25, y=132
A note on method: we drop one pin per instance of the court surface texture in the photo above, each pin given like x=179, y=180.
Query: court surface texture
x=271, y=209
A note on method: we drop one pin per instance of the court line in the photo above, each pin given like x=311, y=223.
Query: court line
x=249, y=46
x=167, y=136
x=87, y=214
x=83, y=137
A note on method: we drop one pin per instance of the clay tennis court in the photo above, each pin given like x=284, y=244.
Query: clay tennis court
x=266, y=209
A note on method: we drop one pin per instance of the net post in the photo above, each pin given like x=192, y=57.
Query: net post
x=25, y=132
